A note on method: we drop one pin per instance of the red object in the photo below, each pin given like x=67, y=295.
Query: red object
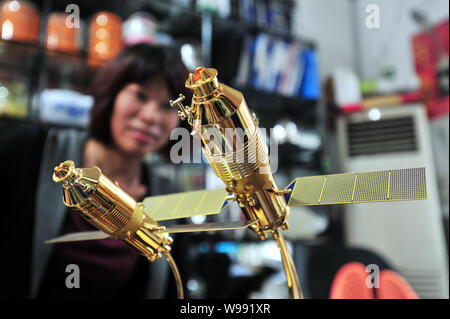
x=197, y=75
x=350, y=283
x=351, y=108
x=428, y=49
x=381, y=101
x=394, y=286
x=412, y=97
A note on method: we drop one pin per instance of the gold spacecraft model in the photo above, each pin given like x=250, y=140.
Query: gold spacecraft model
x=237, y=153
x=117, y=215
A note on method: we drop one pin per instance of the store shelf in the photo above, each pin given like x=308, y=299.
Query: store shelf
x=18, y=55
x=272, y=106
x=50, y=69
x=8, y=120
x=43, y=69
x=180, y=21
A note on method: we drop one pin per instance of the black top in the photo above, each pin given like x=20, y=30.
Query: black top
x=21, y=146
x=21, y=154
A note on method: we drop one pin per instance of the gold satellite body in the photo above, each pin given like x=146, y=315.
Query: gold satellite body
x=217, y=110
x=233, y=146
x=235, y=150
x=107, y=207
x=118, y=216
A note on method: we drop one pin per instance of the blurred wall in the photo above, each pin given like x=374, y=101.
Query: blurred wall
x=329, y=24
x=338, y=27
x=390, y=45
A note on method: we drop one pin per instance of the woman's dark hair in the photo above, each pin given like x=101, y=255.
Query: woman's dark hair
x=139, y=63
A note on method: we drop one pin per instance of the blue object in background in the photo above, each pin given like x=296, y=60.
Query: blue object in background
x=310, y=84
x=227, y=247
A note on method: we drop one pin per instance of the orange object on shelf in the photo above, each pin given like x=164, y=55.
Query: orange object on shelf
x=19, y=21
x=105, y=37
x=60, y=36
x=394, y=286
x=431, y=55
x=350, y=283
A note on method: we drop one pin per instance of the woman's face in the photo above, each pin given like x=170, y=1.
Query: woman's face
x=142, y=118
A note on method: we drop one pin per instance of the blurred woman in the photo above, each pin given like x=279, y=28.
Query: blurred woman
x=131, y=118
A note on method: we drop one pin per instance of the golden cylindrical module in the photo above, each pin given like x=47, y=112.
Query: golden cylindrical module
x=237, y=153
x=107, y=207
x=235, y=149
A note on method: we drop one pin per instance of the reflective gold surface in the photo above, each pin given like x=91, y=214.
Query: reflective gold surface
x=295, y=291
x=187, y=204
x=106, y=206
x=189, y=228
x=237, y=153
x=364, y=187
x=235, y=149
x=79, y=236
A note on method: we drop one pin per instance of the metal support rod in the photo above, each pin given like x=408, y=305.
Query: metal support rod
x=176, y=275
x=293, y=284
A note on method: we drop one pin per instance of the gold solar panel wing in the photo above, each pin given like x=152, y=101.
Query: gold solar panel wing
x=80, y=236
x=376, y=186
x=189, y=228
x=187, y=204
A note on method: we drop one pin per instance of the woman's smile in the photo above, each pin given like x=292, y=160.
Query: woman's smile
x=143, y=136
